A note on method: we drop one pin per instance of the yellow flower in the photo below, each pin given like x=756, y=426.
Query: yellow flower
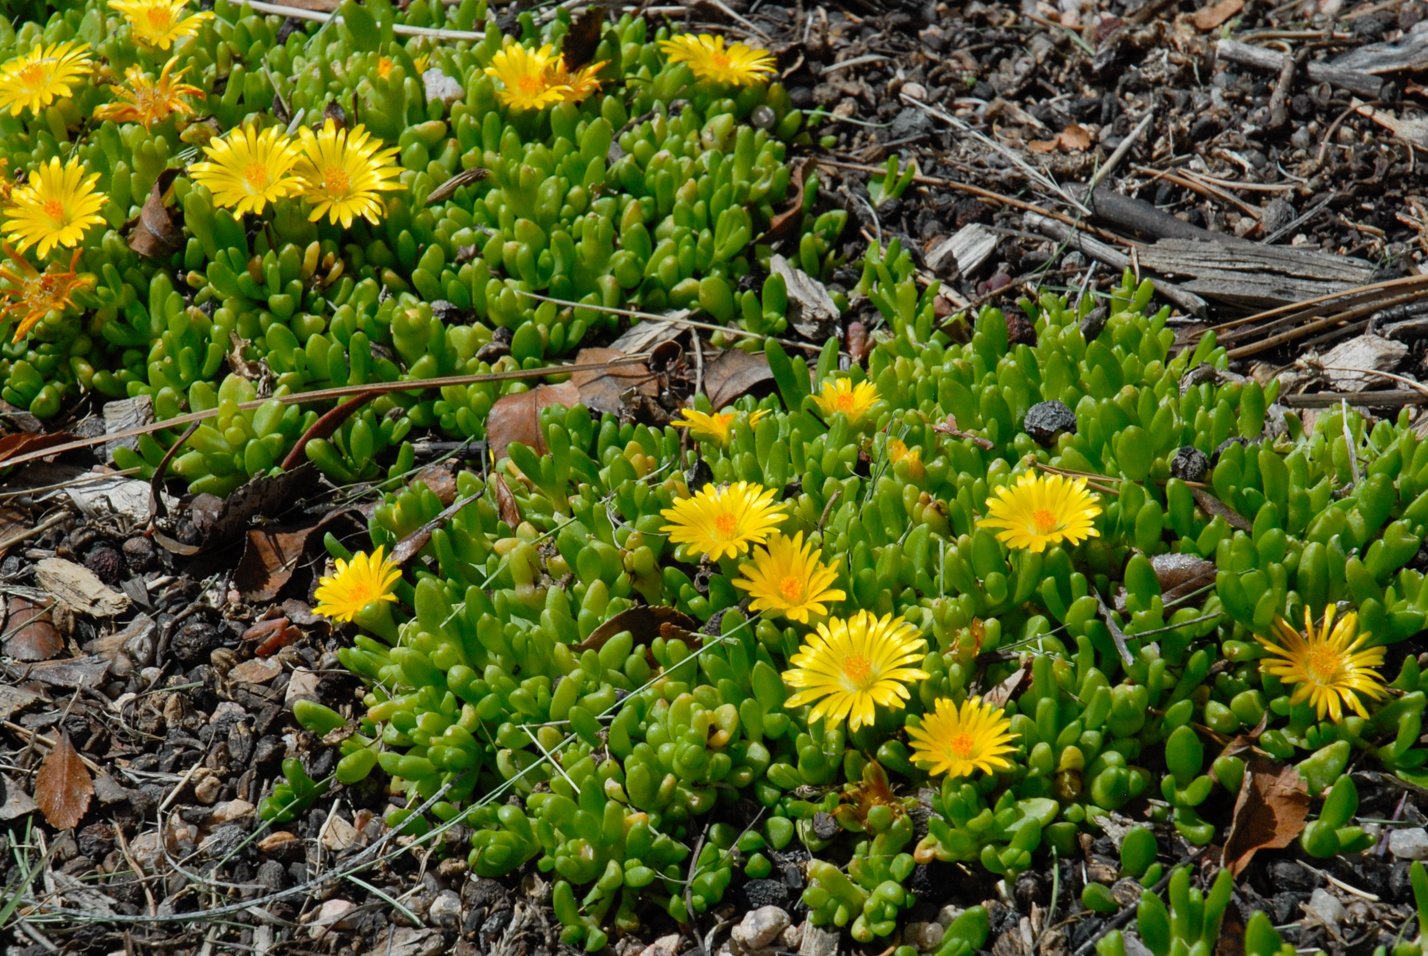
x=33, y=80
x=1040, y=511
x=527, y=80
x=149, y=101
x=579, y=84
x=366, y=579
x=32, y=294
x=385, y=64
x=899, y=452
x=55, y=208
x=1328, y=666
x=344, y=173
x=717, y=426
x=159, y=23
x=850, y=667
x=958, y=740
x=723, y=521
x=788, y=577
x=709, y=59
x=247, y=169
x=841, y=395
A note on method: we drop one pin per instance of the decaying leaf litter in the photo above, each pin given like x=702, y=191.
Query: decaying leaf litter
x=1260, y=163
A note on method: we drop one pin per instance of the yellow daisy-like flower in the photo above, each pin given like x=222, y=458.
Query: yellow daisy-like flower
x=344, y=173
x=247, y=169
x=366, y=579
x=841, y=395
x=149, y=101
x=723, y=521
x=385, y=64
x=527, y=79
x=29, y=295
x=579, y=84
x=1328, y=666
x=33, y=80
x=55, y=208
x=717, y=426
x=708, y=58
x=1040, y=511
x=159, y=23
x=959, y=740
x=899, y=452
x=788, y=577
x=851, y=667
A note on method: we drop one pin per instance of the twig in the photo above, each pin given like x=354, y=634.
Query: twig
x=317, y=16
x=1119, y=152
x=25, y=534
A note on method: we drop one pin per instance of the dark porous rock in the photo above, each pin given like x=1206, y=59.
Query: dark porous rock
x=1189, y=464
x=824, y=826
x=1020, y=331
x=759, y=893
x=1046, y=421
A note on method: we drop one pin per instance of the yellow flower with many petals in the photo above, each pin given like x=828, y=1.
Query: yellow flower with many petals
x=717, y=426
x=709, y=58
x=159, y=23
x=34, y=80
x=29, y=295
x=1040, y=511
x=851, y=667
x=149, y=101
x=840, y=395
x=788, y=577
x=247, y=169
x=579, y=84
x=55, y=208
x=959, y=740
x=527, y=78
x=1328, y=666
x=723, y=521
x=366, y=579
x=345, y=172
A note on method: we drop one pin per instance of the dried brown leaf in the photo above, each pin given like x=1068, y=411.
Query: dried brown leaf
x=615, y=388
x=407, y=548
x=506, y=506
x=584, y=36
x=63, y=786
x=733, y=373
x=156, y=233
x=516, y=418
x=1007, y=689
x=1209, y=18
x=32, y=634
x=26, y=443
x=448, y=189
x=272, y=556
x=644, y=622
x=1269, y=814
x=1181, y=574
x=786, y=221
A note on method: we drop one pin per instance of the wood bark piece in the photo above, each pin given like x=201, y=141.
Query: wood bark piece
x=1408, y=52
x=1145, y=219
x=1254, y=275
x=1364, y=353
x=1113, y=257
x=969, y=247
x=1259, y=58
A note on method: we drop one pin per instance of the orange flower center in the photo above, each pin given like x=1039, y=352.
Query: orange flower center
x=256, y=175
x=160, y=18
x=55, y=210
x=843, y=401
x=1044, y=520
x=719, y=60
x=532, y=84
x=32, y=76
x=1322, y=663
x=859, y=670
x=725, y=524
x=334, y=180
x=961, y=746
x=790, y=588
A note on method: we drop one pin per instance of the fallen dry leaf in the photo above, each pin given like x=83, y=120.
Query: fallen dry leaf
x=516, y=418
x=1181, y=574
x=610, y=389
x=63, y=785
x=1211, y=17
x=733, y=373
x=32, y=634
x=272, y=557
x=644, y=622
x=787, y=218
x=259, y=670
x=25, y=443
x=1073, y=139
x=79, y=589
x=155, y=233
x=506, y=506
x=1269, y=812
x=407, y=548
x=999, y=695
x=78, y=672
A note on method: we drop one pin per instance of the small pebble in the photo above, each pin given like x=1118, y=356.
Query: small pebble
x=1326, y=907
x=758, y=929
x=1411, y=844
x=445, y=909
x=441, y=88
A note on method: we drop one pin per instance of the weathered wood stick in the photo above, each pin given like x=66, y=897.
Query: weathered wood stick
x=1360, y=84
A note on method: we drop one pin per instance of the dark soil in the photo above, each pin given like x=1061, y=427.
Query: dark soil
x=1009, y=110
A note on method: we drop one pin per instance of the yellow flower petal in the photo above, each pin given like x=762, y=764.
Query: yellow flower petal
x=159, y=23
x=247, y=169
x=710, y=58
x=849, y=667
x=841, y=396
x=366, y=579
x=788, y=577
x=719, y=522
x=33, y=80
x=344, y=173
x=1327, y=666
x=55, y=207
x=1040, y=511
x=958, y=741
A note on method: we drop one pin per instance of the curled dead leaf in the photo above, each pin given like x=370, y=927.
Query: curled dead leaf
x=1270, y=812
x=516, y=418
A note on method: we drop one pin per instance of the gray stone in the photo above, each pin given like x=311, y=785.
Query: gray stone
x=1325, y=907
x=926, y=937
x=664, y=946
x=441, y=88
x=445, y=909
x=759, y=929
x=1411, y=844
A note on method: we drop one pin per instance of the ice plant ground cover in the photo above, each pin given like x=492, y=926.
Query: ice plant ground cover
x=867, y=614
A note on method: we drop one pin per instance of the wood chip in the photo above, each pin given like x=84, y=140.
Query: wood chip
x=1346, y=362
x=79, y=589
